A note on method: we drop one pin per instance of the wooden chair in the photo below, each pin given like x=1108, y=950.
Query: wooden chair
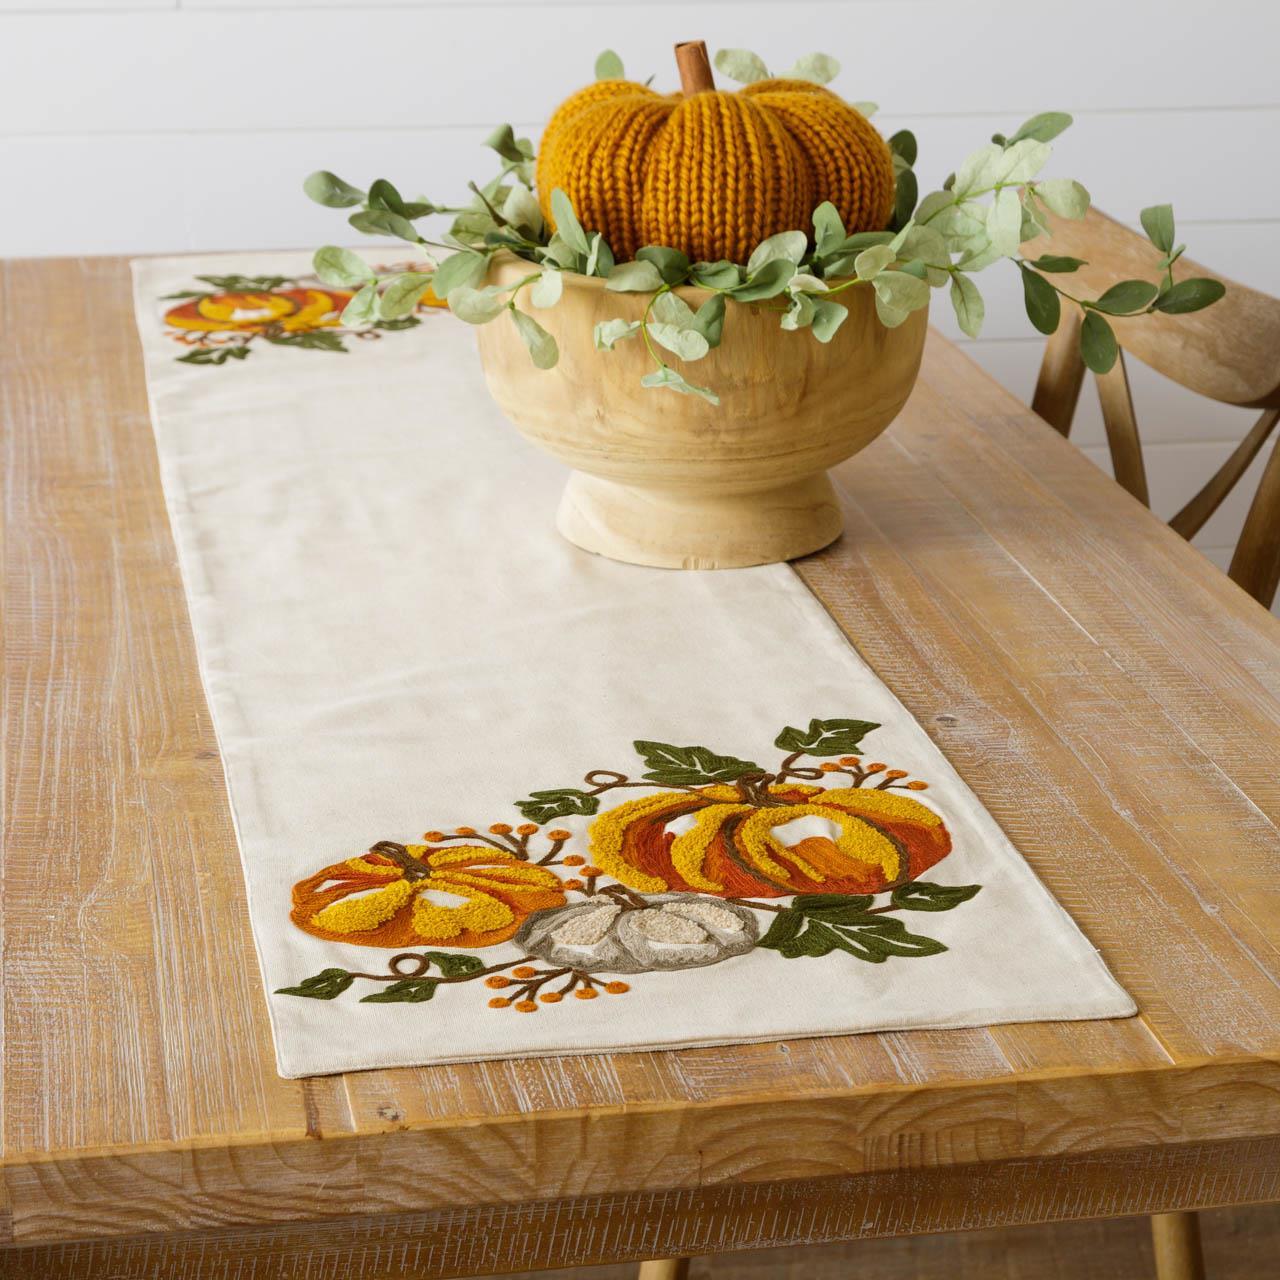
x=1229, y=352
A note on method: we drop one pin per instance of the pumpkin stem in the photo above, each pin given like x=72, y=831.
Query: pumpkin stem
x=413, y=869
x=695, y=67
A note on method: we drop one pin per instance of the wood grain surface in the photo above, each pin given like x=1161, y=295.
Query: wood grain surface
x=1111, y=697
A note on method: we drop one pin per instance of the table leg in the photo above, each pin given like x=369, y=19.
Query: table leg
x=665, y=1269
x=1177, y=1242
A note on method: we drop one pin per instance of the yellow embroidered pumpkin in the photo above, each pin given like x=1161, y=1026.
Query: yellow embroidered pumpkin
x=712, y=173
x=388, y=898
x=732, y=848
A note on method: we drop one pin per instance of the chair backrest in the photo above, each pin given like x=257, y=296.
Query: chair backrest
x=1229, y=352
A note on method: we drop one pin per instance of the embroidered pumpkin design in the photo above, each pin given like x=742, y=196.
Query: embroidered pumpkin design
x=411, y=895
x=724, y=845
x=712, y=173
x=292, y=310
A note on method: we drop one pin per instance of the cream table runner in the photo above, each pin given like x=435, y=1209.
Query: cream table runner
x=498, y=797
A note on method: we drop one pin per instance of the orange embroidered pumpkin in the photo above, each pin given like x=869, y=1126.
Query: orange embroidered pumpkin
x=712, y=173
x=294, y=310
x=389, y=899
x=733, y=848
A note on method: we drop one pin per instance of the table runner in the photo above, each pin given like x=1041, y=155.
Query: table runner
x=497, y=797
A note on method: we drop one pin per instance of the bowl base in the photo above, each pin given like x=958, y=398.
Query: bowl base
x=687, y=530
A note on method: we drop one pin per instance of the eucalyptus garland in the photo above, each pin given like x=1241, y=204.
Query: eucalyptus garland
x=987, y=209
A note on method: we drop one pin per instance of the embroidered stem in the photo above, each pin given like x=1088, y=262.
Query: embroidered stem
x=413, y=869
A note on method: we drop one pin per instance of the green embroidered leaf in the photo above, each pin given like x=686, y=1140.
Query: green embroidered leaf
x=408, y=991
x=214, y=355
x=316, y=340
x=834, y=908
x=560, y=802
x=245, y=284
x=795, y=933
x=453, y=965
x=324, y=985
x=404, y=322
x=690, y=766
x=826, y=737
x=920, y=895
x=782, y=930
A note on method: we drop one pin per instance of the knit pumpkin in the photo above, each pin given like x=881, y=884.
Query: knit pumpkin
x=712, y=173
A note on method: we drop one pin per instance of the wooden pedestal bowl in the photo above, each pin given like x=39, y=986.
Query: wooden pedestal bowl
x=665, y=479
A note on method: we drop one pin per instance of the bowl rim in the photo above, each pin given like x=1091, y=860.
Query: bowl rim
x=576, y=280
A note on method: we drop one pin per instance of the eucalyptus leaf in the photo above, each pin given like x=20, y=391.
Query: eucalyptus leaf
x=769, y=281
x=673, y=266
x=1044, y=310
x=465, y=268
x=634, y=277
x=475, y=306
x=897, y=295
x=542, y=346
x=562, y=254
x=670, y=308
x=1126, y=297
x=669, y=378
x=867, y=109
x=804, y=282
x=1157, y=222
x=1043, y=127
x=400, y=297
x=362, y=309
x=1004, y=223
x=903, y=143
x=1065, y=196
x=709, y=319
x=688, y=344
x=329, y=190
x=828, y=316
x=567, y=225
x=341, y=267
x=593, y=255
x=547, y=289
x=741, y=65
x=905, y=195
x=608, y=333
x=1022, y=161
x=716, y=275
x=1190, y=295
x=1056, y=264
x=967, y=302
x=382, y=222
x=800, y=313
x=871, y=262
x=609, y=66
x=1098, y=346
x=790, y=246
x=503, y=141
x=829, y=232
x=820, y=68
x=521, y=209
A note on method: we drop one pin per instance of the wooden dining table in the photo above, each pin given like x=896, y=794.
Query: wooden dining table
x=1110, y=696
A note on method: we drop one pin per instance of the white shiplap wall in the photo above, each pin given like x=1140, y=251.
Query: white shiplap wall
x=167, y=125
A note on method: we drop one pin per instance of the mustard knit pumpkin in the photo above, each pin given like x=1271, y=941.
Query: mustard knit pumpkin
x=714, y=173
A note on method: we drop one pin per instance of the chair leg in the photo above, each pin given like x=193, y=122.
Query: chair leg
x=1176, y=1237
x=665, y=1269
